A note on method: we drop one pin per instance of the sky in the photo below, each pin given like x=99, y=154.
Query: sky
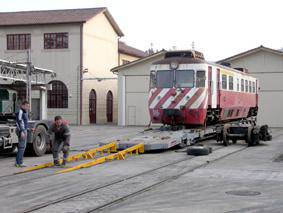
x=218, y=28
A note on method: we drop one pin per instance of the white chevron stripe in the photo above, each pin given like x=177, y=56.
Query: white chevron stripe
x=169, y=100
x=198, y=102
x=185, y=99
x=158, y=98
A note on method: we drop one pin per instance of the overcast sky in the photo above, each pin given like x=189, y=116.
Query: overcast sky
x=218, y=28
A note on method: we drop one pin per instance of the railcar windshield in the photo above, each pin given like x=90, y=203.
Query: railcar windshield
x=165, y=78
x=185, y=78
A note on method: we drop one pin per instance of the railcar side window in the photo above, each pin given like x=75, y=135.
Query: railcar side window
x=250, y=86
x=164, y=78
x=231, y=83
x=247, y=86
x=185, y=78
x=253, y=87
x=242, y=85
x=224, y=81
x=200, y=82
x=238, y=84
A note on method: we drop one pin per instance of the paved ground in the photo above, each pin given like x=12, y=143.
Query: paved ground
x=157, y=182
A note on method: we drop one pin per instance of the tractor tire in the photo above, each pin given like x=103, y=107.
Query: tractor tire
x=199, y=150
x=38, y=146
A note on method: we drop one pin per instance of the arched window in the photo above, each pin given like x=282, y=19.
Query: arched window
x=92, y=106
x=58, y=96
x=109, y=106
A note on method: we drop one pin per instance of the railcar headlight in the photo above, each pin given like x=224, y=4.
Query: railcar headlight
x=174, y=65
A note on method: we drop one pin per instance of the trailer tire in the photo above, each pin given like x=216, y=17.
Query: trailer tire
x=249, y=139
x=199, y=150
x=226, y=141
x=38, y=146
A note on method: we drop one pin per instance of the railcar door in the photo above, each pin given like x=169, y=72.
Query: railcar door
x=218, y=87
x=210, y=86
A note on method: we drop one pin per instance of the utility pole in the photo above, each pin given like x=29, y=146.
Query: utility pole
x=28, y=80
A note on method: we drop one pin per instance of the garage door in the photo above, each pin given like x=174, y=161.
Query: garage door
x=270, y=108
x=136, y=100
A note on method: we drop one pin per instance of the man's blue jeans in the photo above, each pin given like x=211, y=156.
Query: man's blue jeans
x=21, y=148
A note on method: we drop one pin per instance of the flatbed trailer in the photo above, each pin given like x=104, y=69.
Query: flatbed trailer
x=164, y=138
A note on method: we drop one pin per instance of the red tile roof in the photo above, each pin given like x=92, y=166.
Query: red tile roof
x=55, y=17
x=128, y=50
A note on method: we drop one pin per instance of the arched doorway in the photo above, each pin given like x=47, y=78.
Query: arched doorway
x=109, y=106
x=92, y=107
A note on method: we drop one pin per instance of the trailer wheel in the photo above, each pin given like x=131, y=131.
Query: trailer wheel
x=226, y=141
x=198, y=150
x=38, y=146
x=249, y=139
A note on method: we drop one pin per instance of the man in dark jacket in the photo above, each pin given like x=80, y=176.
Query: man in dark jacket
x=61, y=140
x=22, y=126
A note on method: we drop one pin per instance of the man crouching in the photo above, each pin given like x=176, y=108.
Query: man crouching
x=61, y=140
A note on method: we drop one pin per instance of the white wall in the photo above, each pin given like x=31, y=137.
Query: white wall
x=65, y=62
x=133, y=88
x=268, y=68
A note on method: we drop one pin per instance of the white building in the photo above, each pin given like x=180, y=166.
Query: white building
x=81, y=46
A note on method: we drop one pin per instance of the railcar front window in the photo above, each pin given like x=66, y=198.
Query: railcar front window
x=152, y=79
x=200, y=82
x=164, y=79
x=185, y=78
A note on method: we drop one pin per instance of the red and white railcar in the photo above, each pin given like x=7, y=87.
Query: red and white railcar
x=187, y=90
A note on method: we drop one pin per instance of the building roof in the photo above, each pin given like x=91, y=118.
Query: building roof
x=55, y=17
x=132, y=63
x=249, y=52
x=128, y=50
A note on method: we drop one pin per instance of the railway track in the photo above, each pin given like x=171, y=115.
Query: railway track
x=121, y=183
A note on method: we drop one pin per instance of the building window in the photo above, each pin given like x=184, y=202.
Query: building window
x=125, y=61
x=18, y=41
x=242, y=85
x=231, y=83
x=247, y=85
x=224, y=81
x=56, y=40
x=58, y=96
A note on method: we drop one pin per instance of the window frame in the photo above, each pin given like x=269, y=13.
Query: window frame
x=222, y=82
x=242, y=85
x=57, y=98
x=231, y=83
x=56, y=40
x=175, y=78
x=196, y=78
x=18, y=41
x=246, y=86
x=253, y=87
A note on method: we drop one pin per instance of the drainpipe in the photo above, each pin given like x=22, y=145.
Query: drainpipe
x=80, y=73
x=118, y=51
